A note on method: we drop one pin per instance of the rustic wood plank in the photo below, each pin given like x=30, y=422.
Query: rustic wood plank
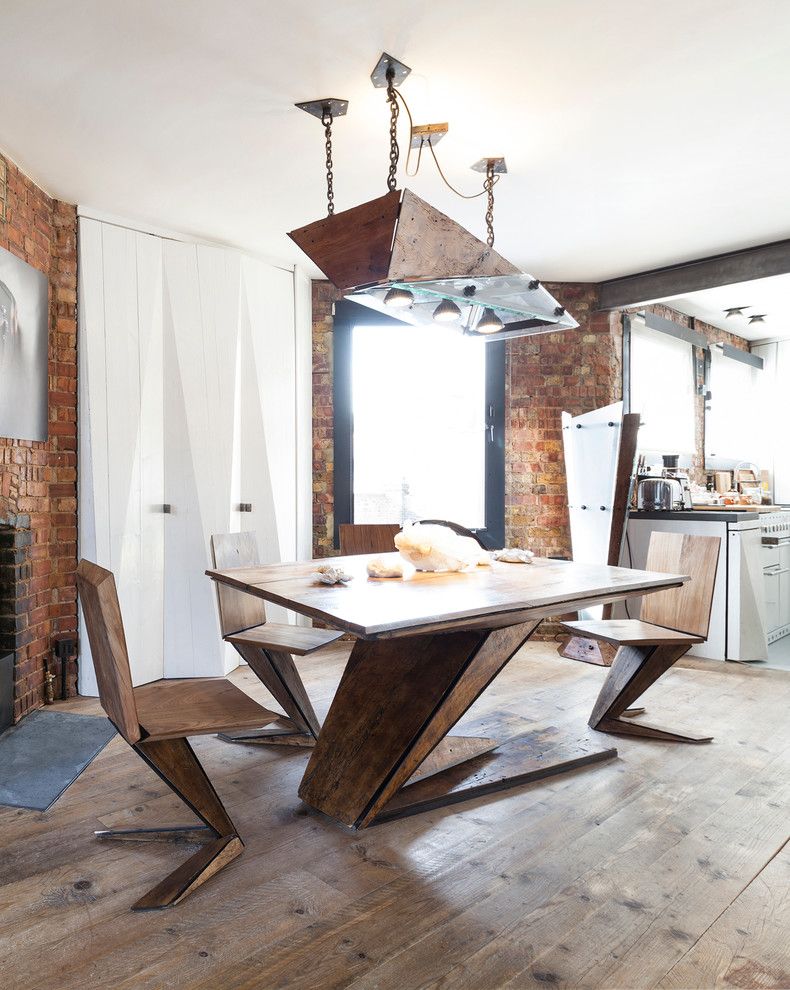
x=630, y=632
x=747, y=945
x=191, y=874
x=99, y=599
x=388, y=692
x=237, y=611
x=634, y=669
x=352, y=248
x=425, y=234
x=296, y=640
x=451, y=751
x=471, y=900
x=367, y=537
x=278, y=672
x=587, y=650
x=513, y=763
x=432, y=602
x=686, y=608
x=196, y=706
x=493, y=653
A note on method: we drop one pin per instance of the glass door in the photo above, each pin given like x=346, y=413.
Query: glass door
x=419, y=424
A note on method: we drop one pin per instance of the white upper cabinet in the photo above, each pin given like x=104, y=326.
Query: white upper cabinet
x=188, y=408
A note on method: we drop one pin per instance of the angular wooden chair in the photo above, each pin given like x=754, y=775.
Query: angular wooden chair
x=367, y=538
x=156, y=720
x=268, y=649
x=670, y=623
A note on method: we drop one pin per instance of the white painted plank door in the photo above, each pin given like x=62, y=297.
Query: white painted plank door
x=268, y=412
x=150, y=637
x=201, y=305
x=121, y=435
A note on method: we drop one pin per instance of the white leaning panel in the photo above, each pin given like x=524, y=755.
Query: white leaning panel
x=591, y=443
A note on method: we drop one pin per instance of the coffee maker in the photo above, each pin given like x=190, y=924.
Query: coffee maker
x=671, y=470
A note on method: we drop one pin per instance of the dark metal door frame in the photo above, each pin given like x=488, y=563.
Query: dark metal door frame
x=349, y=314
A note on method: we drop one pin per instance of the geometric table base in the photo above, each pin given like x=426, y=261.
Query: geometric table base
x=384, y=750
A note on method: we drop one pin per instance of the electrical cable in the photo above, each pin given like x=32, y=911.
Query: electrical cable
x=449, y=185
x=429, y=142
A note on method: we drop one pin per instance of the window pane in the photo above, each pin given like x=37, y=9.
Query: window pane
x=730, y=414
x=419, y=425
x=662, y=390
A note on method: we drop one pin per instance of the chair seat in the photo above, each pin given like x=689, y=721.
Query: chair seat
x=629, y=632
x=196, y=707
x=299, y=640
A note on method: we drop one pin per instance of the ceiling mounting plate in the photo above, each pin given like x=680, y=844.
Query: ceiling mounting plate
x=379, y=75
x=337, y=108
x=500, y=168
x=422, y=133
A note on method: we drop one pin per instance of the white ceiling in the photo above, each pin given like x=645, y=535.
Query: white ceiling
x=770, y=296
x=636, y=133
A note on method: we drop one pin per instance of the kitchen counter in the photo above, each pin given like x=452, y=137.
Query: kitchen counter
x=741, y=508
x=717, y=513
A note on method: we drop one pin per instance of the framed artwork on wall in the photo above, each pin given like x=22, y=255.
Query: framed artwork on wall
x=24, y=320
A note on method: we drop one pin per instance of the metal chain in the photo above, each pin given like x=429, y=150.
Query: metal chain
x=392, y=99
x=488, y=185
x=326, y=120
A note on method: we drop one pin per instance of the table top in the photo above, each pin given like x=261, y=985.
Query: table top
x=373, y=608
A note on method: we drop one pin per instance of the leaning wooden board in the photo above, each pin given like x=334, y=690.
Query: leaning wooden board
x=427, y=647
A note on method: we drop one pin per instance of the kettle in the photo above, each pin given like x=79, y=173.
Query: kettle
x=654, y=494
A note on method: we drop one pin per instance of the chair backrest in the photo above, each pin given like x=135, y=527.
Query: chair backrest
x=457, y=528
x=687, y=608
x=103, y=620
x=367, y=537
x=237, y=610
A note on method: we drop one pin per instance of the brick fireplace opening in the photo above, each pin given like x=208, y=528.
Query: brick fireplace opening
x=27, y=636
x=15, y=541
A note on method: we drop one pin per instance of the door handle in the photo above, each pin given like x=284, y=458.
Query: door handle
x=167, y=508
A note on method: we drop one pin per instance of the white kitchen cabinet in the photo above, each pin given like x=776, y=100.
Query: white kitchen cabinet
x=189, y=390
x=776, y=583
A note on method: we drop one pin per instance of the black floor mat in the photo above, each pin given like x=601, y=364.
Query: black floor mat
x=45, y=753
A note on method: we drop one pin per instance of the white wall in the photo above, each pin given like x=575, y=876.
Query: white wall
x=194, y=391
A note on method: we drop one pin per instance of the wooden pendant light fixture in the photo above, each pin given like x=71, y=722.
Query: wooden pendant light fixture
x=402, y=256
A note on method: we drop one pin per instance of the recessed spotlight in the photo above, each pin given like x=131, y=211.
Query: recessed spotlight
x=446, y=312
x=758, y=318
x=399, y=298
x=489, y=322
x=734, y=311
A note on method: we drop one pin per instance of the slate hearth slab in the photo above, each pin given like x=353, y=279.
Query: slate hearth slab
x=45, y=753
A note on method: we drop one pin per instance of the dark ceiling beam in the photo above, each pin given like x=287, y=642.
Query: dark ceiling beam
x=691, y=276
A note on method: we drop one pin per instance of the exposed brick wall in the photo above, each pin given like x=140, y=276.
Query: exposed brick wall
x=573, y=371
x=38, y=481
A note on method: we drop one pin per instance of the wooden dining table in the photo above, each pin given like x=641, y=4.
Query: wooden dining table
x=426, y=647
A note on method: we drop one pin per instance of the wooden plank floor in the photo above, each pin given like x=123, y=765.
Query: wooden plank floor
x=668, y=867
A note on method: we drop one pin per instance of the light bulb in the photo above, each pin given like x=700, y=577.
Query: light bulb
x=446, y=312
x=399, y=298
x=489, y=322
